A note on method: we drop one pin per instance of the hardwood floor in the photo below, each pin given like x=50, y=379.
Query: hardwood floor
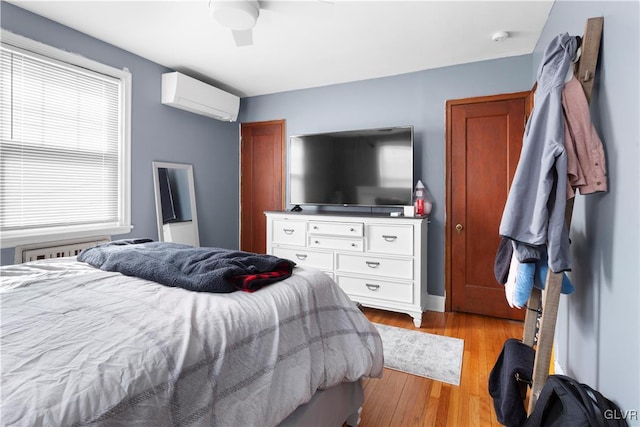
x=399, y=399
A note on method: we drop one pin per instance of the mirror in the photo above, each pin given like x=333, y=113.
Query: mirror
x=175, y=203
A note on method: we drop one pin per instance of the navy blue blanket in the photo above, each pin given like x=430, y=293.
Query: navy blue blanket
x=195, y=269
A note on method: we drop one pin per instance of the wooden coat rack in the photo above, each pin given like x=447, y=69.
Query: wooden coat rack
x=546, y=302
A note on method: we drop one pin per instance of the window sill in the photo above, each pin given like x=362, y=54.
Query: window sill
x=11, y=239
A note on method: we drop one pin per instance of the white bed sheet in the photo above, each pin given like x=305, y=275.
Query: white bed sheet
x=80, y=346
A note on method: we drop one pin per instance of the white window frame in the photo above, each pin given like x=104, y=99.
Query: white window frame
x=12, y=238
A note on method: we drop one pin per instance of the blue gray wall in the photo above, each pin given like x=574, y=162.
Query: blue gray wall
x=158, y=133
x=598, y=330
x=416, y=99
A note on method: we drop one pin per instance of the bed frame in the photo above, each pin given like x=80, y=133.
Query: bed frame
x=330, y=408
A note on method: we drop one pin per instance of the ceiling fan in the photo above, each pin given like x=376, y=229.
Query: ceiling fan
x=240, y=16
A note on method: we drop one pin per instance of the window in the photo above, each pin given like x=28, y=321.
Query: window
x=64, y=145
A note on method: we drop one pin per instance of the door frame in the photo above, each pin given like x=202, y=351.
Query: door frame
x=283, y=146
x=448, y=227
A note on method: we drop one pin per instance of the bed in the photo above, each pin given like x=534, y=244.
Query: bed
x=81, y=346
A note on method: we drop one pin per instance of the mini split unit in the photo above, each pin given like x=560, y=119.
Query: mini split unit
x=187, y=93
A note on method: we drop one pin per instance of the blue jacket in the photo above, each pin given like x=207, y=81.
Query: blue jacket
x=534, y=215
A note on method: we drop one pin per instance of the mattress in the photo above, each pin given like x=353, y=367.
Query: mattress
x=80, y=346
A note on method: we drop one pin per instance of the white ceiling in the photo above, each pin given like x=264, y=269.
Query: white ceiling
x=357, y=40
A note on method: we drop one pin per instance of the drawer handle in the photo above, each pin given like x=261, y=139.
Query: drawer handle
x=315, y=227
x=352, y=230
x=389, y=238
x=372, y=264
x=353, y=245
x=371, y=287
x=301, y=256
x=288, y=230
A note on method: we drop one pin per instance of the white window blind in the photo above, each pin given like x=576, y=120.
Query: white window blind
x=61, y=147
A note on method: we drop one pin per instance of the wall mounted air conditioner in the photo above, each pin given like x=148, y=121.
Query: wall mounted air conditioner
x=187, y=93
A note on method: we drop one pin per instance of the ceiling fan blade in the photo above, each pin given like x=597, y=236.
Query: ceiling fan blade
x=310, y=8
x=243, y=37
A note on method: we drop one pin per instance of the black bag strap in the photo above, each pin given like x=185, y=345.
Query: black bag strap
x=555, y=388
x=535, y=418
x=594, y=405
x=569, y=392
x=607, y=408
x=596, y=419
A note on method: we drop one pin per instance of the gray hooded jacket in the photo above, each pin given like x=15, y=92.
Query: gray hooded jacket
x=534, y=215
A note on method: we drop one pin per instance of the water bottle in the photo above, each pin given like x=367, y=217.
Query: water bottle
x=419, y=198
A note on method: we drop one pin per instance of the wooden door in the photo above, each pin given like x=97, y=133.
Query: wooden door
x=484, y=138
x=262, y=179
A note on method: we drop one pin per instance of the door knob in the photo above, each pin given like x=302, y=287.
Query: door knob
x=459, y=228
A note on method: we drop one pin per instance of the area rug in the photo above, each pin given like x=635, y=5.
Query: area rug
x=419, y=353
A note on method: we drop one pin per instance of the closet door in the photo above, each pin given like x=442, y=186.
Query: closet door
x=484, y=138
x=262, y=178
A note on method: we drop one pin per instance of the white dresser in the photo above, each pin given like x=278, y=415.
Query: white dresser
x=379, y=261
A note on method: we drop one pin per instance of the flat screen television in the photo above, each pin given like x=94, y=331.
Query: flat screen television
x=369, y=167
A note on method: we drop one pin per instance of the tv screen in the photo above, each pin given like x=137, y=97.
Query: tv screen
x=371, y=167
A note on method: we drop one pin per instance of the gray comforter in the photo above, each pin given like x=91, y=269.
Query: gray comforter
x=80, y=346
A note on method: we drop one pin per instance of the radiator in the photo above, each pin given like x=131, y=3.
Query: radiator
x=58, y=249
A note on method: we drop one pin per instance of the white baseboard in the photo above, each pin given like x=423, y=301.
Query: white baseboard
x=435, y=303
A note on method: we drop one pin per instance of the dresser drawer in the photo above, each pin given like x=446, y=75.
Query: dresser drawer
x=379, y=289
x=336, y=243
x=289, y=232
x=348, y=229
x=390, y=239
x=317, y=259
x=377, y=266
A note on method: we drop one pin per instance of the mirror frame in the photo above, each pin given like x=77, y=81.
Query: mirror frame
x=192, y=196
